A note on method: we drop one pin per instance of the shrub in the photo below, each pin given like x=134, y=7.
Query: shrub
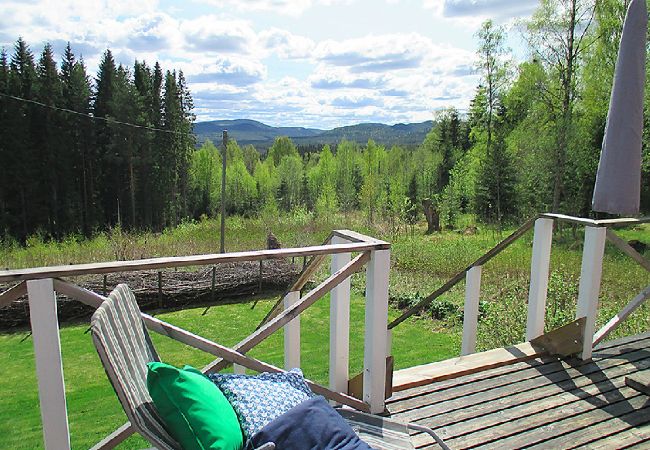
x=442, y=309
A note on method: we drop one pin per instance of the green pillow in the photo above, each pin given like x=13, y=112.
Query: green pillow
x=195, y=411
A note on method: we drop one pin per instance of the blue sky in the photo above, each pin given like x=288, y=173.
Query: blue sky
x=314, y=63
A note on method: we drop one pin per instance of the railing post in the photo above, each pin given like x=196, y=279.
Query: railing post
x=339, y=324
x=589, y=289
x=539, y=270
x=49, y=365
x=292, y=334
x=376, y=322
x=470, y=312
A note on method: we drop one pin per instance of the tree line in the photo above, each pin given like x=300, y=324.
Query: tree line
x=80, y=154
x=530, y=141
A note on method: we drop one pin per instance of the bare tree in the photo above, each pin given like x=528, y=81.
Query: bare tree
x=558, y=34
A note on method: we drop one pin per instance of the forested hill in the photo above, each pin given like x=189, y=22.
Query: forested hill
x=246, y=132
x=262, y=136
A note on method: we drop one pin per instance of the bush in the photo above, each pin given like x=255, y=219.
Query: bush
x=439, y=309
x=405, y=301
x=442, y=309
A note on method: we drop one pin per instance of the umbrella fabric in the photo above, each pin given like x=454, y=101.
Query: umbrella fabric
x=618, y=181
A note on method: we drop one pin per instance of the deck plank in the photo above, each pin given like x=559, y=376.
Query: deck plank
x=627, y=438
x=610, y=349
x=546, y=402
x=468, y=404
x=532, y=419
x=599, y=423
x=525, y=379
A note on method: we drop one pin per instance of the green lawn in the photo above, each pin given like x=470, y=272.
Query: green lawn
x=93, y=408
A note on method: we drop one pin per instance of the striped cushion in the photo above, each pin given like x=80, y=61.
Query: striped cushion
x=125, y=349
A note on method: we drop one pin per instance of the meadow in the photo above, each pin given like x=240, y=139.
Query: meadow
x=419, y=263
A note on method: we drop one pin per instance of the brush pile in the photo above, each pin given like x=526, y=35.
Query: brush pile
x=172, y=288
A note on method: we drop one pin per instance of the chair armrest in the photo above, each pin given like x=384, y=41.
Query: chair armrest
x=267, y=446
x=430, y=432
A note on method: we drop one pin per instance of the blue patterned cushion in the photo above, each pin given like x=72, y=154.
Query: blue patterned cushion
x=259, y=399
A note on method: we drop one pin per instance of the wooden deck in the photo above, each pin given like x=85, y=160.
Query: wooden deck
x=540, y=403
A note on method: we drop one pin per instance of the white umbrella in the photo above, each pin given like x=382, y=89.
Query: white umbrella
x=618, y=181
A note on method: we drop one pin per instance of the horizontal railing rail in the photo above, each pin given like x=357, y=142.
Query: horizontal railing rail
x=183, y=261
x=620, y=222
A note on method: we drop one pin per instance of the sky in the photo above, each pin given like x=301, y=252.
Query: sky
x=311, y=63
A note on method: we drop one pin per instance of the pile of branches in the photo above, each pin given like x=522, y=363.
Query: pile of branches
x=172, y=288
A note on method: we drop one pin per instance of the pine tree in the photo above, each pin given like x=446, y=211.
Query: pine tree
x=4, y=148
x=495, y=197
x=143, y=81
x=187, y=141
x=53, y=158
x=347, y=174
x=371, y=190
x=168, y=154
x=78, y=138
x=105, y=163
x=125, y=146
x=21, y=160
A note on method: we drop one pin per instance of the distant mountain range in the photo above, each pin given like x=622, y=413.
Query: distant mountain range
x=260, y=135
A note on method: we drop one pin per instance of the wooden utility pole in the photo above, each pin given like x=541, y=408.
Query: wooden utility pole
x=223, y=191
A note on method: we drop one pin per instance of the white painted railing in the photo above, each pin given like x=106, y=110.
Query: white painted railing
x=339, y=373
x=596, y=232
x=41, y=286
x=539, y=272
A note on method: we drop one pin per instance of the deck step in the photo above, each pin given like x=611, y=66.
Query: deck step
x=640, y=381
x=464, y=365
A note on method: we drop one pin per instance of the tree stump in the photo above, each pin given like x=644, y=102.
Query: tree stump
x=432, y=215
x=272, y=242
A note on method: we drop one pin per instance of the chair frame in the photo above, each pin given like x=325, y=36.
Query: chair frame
x=121, y=306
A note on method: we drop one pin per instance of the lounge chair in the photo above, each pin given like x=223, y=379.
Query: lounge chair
x=125, y=348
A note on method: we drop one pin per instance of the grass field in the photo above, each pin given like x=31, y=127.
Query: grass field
x=93, y=408
x=420, y=264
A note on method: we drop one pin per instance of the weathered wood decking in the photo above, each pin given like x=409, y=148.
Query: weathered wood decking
x=540, y=403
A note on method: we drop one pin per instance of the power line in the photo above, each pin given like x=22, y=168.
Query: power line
x=89, y=116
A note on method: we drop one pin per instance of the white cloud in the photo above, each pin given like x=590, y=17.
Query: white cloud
x=286, y=7
x=293, y=8
x=233, y=71
x=151, y=33
x=472, y=12
x=337, y=78
x=286, y=45
x=217, y=35
x=374, y=53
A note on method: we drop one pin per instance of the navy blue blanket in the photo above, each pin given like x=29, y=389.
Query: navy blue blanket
x=311, y=425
